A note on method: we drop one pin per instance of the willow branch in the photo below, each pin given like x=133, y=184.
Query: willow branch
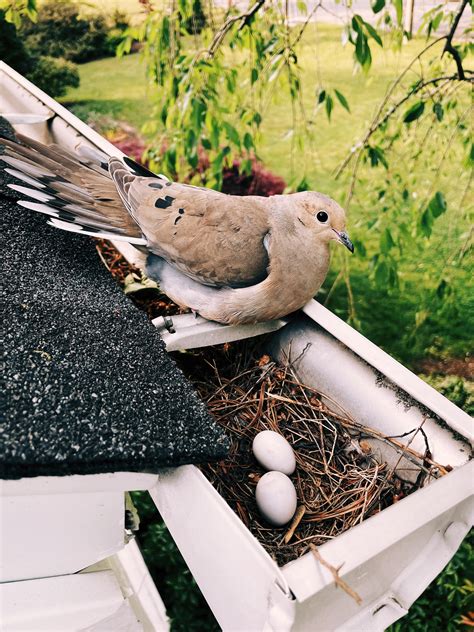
x=449, y=48
x=414, y=90
x=229, y=23
x=384, y=102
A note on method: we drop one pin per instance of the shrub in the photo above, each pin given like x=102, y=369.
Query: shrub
x=12, y=49
x=259, y=181
x=54, y=76
x=117, y=27
x=60, y=31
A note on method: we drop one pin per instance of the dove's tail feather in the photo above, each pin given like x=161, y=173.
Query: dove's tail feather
x=75, y=191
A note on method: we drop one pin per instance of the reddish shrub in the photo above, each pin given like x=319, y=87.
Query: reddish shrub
x=132, y=146
x=259, y=182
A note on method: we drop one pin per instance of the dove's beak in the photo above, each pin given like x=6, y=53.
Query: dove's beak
x=344, y=239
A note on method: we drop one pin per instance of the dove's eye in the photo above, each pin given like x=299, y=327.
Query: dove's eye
x=322, y=217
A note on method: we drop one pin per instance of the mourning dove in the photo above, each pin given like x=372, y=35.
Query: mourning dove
x=231, y=259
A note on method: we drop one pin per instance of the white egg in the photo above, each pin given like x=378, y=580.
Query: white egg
x=274, y=452
x=276, y=498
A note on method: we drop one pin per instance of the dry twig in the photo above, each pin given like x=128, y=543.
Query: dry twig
x=335, y=573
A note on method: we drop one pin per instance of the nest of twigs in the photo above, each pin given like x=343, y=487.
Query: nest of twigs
x=340, y=480
x=150, y=300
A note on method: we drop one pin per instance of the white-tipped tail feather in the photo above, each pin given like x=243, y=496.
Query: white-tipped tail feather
x=75, y=228
x=75, y=190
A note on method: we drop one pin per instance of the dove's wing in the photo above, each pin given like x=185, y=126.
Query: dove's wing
x=214, y=238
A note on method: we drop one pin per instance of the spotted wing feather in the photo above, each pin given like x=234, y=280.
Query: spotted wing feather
x=214, y=238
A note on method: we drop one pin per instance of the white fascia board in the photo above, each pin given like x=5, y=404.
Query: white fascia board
x=78, y=483
x=68, y=602
x=138, y=586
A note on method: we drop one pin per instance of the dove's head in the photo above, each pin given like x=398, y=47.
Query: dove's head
x=324, y=217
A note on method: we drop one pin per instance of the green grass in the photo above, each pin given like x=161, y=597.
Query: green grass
x=118, y=87
x=132, y=8
x=114, y=88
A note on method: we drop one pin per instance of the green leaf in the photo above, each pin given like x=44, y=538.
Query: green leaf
x=359, y=248
x=231, y=82
x=470, y=158
x=438, y=110
x=232, y=134
x=217, y=162
x=248, y=141
x=373, y=33
x=357, y=22
x=301, y=6
x=377, y=156
x=362, y=51
x=303, y=185
x=441, y=289
x=329, y=105
x=414, y=112
x=437, y=204
x=197, y=114
x=253, y=75
x=206, y=143
x=381, y=274
x=170, y=160
x=342, y=100
x=420, y=317
x=215, y=134
x=436, y=21
x=386, y=241
x=190, y=142
x=426, y=223
x=124, y=47
x=246, y=167
x=398, y=4
x=321, y=96
x=377, y=5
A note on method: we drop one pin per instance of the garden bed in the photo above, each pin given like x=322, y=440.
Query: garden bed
x=340, y=478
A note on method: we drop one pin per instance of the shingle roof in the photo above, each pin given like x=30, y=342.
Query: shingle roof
x=89, y=386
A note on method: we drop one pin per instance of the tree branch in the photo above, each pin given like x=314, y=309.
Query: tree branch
x=414, y=90
x=361, y=144
x=228, y=24
x=449, y=48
